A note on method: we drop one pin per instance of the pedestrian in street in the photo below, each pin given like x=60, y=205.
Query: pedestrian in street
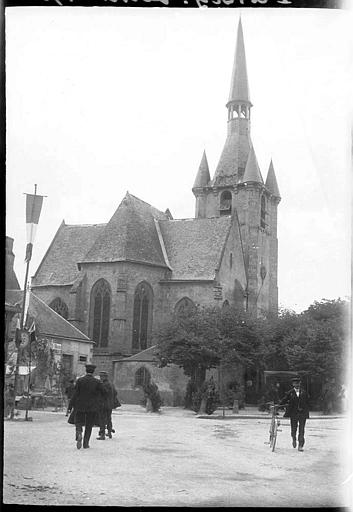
x=84, y=404
x=297, y=409
x=69, y=391
x=109, y=402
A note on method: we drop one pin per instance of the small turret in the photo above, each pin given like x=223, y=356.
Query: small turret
x=252, y=171
x=203, y=174
x=202, y=180
x=271, y=182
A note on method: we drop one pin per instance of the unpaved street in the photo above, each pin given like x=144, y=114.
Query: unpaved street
x=175, y=459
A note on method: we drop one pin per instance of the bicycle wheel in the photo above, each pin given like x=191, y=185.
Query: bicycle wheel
x=274, y=439
x=272, y=427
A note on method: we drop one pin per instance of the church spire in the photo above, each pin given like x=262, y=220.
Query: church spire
x=203, y=174
x=271, y=182
x=239, y=87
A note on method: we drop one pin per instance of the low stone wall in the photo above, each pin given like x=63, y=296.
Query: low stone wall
x=171, y=382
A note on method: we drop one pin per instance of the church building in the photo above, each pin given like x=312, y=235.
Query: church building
x=117, y=282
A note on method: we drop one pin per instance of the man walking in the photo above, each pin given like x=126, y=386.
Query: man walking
x=85, y=401
x=107, y=405
x=297, y=410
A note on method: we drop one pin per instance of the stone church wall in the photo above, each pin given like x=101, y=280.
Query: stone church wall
x=171, y=382
x=232, y=270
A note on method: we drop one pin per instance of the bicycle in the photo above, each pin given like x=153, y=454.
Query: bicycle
x=275, y=423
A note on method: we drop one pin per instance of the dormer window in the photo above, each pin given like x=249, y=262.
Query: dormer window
x=225, y=207
x=263, y=212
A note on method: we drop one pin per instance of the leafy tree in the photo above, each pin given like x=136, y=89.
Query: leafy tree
x=272, y=331
x=318, y=344
x=43, y=356
x=202, y=338
x=190, y=340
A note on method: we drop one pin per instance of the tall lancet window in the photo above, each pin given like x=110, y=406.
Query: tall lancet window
x=225, y=207
x=142, y=316
x=100, y=312
x=263, y=212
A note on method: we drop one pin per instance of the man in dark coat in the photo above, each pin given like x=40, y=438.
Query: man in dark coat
x=297, y=410
x=106, y=407
x=85, y=402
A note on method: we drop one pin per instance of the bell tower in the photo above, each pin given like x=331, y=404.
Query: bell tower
x=238, y=189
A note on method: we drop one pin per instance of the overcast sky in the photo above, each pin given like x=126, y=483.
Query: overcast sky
x=105, y=100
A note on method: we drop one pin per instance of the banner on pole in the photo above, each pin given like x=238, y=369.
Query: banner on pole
x=33, y=208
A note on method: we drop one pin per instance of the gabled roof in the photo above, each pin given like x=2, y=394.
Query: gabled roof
x=47, y=321
x=129, y=235
x=239, y=87
x=70, y=244
x=194, y=246
x=203, y=174
x=271, y=182
x=252, y=171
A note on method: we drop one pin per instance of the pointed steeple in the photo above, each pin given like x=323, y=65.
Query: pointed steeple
x=252, y=169
x=203, y=174
x=239, y=87
x=271, y=182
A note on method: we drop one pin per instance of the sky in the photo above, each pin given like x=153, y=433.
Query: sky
x=101, y=101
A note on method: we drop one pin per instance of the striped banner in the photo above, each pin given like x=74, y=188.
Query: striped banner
x=33, y=208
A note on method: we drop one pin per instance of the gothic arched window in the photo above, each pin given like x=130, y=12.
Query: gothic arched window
x=225, y=305
x=59, y=306
x=142, y=376
x=263, y=212
x=225, y=206
x=142, y=316
x=183, y=306
x=100, y=312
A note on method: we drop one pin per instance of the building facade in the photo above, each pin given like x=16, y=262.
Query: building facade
x=117, y=282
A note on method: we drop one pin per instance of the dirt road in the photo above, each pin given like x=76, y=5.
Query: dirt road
x=174, y=459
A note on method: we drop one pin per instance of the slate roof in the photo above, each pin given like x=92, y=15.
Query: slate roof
x=130, y=234
x=194, y=246
x=70, y=244
x=47, y=321
x=231, y=159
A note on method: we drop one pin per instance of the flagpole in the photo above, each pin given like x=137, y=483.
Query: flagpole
x=29, y=377
x=22, y=322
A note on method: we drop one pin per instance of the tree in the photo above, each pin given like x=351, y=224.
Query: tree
x=43, y=357
x=191, y=341
x=318, y=344
x=273, y=331
x=203, y=338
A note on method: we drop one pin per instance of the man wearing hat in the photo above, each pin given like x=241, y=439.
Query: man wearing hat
x=107, y=405
x=297, y=410
x=86, y=399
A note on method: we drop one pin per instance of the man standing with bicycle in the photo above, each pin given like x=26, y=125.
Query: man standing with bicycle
x=297, y=409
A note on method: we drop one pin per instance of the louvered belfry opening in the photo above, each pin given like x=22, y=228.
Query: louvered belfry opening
x=225, y=207
x=101, y=297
